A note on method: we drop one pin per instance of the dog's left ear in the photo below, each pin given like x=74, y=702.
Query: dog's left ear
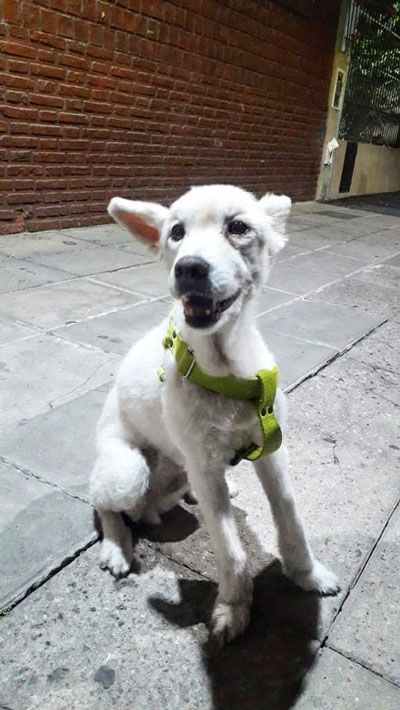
x=277, y=207
x=144, y=220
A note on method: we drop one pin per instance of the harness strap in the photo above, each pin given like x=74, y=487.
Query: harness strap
x=260, y=389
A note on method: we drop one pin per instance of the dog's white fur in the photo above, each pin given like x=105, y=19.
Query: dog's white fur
x=154, y=439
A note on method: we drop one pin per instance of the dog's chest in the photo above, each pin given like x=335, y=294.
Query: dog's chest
x=198, y=417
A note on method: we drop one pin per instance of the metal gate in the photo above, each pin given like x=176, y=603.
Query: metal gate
x=371, y=108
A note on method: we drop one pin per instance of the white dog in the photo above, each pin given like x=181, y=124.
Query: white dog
x=163, y=430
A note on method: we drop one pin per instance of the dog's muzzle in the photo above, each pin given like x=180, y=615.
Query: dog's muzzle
x=193, y=285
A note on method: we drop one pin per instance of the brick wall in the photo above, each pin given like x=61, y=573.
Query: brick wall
x=142, y=98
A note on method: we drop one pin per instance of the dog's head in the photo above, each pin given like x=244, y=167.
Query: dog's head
x=218, y=242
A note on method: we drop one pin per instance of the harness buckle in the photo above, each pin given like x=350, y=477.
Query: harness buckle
x=192, y=364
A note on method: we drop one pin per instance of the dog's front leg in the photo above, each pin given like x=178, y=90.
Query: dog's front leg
x=298, y=560
x=232, y=607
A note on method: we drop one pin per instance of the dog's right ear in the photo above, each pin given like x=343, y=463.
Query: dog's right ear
x=142, y=219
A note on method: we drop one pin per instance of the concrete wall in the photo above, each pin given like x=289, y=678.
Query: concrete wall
x=340, y=61
x=377, y=169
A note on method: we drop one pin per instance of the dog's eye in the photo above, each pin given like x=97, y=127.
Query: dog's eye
x=177, y=232
x=237, y=227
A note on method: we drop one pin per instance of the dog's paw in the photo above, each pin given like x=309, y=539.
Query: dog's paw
x=229, y=621
x=232, y=488
x=320, y=579
x=116, y=559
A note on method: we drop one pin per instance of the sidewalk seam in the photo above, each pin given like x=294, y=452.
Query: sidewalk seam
x=41, y=479
x=363, y=665
x=360, y=571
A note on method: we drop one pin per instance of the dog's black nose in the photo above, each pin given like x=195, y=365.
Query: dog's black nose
x=191, y=272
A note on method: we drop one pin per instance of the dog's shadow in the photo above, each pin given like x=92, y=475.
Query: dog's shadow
x=266, y=668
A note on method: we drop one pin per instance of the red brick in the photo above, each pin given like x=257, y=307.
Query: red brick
x=65, y=117
x=19, y=113
x=46, y=55
x=69, y=60
x=27, y=198
x=48, y=21
x=48, y=39
x=30, y=16
x=21, y=67
x=81, y=30
x=6, y=185
x=17, y=49
x=45, y=70
x=65, y=26
x=48, y=116
x=74, y=90
x=12, y=11
x=44, y=100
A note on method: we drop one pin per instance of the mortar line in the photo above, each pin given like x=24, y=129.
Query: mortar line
x=363, y=665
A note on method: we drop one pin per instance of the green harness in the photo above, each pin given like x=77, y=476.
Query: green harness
x=260, y=389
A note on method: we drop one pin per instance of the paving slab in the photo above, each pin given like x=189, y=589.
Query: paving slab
x=40, y=528
x=290, y=250
x=286, y=277
x=366, y=378
x=339, y=684
x=11, y=330
x=149, y=279
x=394, y=261
x=360, y=296
x=91, y=260
x=317, y=238
x=382, y=275
x=296, y=358
x=156, y=652
x=18, y=274
x=39, y=373
x=60, y=303
x=271, y=298
x=28, y=244
x=373, y=247
x=324, y=260
x=102, y=234
x=117, y=331
x=58, y=446
x=319, y=322
x=137, y=247
x=369, y=632
x=380, y=351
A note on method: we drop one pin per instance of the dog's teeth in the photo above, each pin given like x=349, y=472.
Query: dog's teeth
x=185, y=299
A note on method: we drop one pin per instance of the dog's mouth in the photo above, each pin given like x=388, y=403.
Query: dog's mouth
x=201, y=311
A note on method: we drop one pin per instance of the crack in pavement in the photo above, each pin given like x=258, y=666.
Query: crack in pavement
x=28, y=472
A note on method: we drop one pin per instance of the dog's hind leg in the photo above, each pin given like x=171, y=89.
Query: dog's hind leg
x=298, y=560
x=119, y=483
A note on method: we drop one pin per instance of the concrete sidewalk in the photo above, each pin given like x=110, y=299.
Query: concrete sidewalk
x=71, y=303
